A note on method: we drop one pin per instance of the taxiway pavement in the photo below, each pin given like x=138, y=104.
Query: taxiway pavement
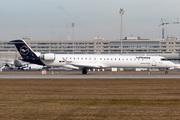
x=81, y=76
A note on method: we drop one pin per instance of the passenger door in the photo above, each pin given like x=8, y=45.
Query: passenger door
x=154, y=62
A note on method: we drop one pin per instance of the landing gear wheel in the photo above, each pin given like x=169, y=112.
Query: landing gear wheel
x=166, y=72
x=84, y=71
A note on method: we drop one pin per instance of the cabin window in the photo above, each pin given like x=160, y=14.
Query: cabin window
x=119, y=59
x=70, y=58
x=104, y=58
x=122, y=59
x=78, y=58
x=111, y=59
x=81, y=58
x=74, y=58
x=94, y=58
x=126, y=58
x=107, y=58
x=89, y=58
x=164, y=59
x=114, y=58
x=86, y=58
x=100, y=58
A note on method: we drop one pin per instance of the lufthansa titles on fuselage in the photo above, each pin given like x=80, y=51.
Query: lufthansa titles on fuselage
x=143, y=57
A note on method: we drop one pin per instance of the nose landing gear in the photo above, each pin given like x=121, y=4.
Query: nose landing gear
x=166, y=72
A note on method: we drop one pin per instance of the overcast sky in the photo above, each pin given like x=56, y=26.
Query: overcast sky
x=51, y=19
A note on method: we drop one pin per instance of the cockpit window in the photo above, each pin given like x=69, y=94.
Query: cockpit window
x=164, y=59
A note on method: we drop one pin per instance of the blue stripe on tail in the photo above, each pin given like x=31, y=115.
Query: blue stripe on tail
x=26, y=52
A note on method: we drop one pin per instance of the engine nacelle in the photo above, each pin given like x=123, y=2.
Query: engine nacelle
x=50, y=56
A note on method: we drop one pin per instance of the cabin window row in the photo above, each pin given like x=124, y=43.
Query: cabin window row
x=127, y=59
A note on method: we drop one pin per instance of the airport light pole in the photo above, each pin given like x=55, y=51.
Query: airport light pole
x=73, y=35
x=121, y=11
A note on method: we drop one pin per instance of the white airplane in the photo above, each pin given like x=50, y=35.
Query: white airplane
x=14, y=63
x=85, y=61
x=33, y=67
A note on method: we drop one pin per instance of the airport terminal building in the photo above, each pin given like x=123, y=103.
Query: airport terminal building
x=130, y=46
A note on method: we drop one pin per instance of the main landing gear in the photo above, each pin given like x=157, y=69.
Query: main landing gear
x=84, y=71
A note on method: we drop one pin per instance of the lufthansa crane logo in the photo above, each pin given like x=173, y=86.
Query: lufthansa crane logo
x=24, y=50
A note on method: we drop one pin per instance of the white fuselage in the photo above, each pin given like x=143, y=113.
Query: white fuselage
x=109, y=61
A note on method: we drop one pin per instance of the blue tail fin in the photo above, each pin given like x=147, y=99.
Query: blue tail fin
x=26, y=52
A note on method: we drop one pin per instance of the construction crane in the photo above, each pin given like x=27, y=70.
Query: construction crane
x=165, y=22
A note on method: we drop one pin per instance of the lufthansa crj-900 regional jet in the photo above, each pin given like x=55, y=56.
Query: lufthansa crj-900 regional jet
x=85, y=61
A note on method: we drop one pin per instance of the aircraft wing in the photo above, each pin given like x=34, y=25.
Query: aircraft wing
x=9, y=63
x=81, y=66
x=86, y=66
